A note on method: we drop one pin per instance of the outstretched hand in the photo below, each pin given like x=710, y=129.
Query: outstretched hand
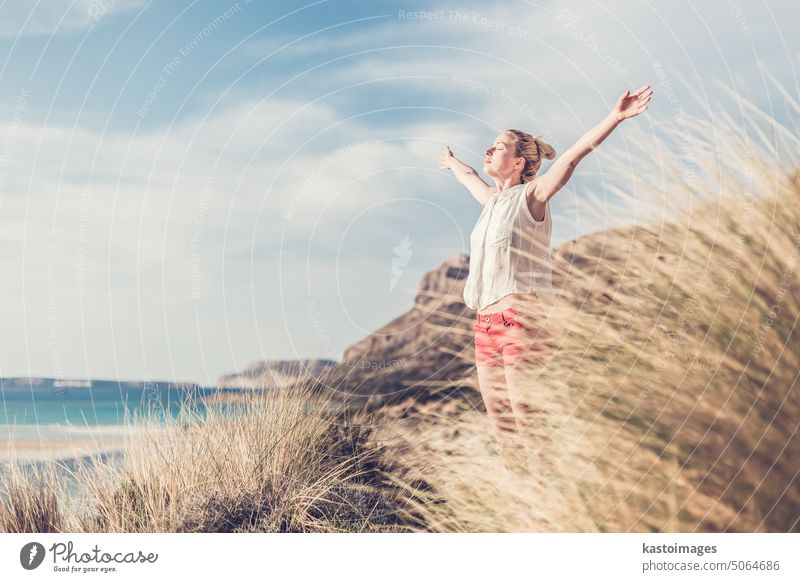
x=446, y=159
x=632, y=105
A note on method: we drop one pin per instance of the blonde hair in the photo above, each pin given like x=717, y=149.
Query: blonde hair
x=533, y=149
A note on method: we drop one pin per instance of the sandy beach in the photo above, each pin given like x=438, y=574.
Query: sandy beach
x=43, y=451
x=31, y=444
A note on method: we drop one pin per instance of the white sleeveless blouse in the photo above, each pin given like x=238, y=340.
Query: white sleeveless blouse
x=510, y=251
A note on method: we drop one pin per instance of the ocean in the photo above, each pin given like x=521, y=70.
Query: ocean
x=39, y=417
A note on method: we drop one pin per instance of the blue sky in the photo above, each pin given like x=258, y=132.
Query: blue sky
x=186, y=187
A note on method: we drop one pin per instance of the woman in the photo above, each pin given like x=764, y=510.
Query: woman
x=509, y=260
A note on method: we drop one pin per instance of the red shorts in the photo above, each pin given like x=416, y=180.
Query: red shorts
x=507, y=339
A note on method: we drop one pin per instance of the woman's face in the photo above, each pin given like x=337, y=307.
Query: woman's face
x=499, y=159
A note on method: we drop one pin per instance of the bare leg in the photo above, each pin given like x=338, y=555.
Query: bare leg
x=492, y=381
x=493, y=386
x=530, y=418
x=527, y=354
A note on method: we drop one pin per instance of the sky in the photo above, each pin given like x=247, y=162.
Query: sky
x=188, y=187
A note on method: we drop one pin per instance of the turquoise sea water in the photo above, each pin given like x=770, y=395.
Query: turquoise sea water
x=56, y=412
x=46, y=416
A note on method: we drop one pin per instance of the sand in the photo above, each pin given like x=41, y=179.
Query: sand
x=74, y=442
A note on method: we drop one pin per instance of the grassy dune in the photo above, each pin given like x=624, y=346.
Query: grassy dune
x=668, y=401
x=287, y=463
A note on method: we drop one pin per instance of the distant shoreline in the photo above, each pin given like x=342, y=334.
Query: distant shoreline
x=81, y=383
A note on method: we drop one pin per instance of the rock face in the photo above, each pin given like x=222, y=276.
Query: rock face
x=438, y=305
x=420, y=351
x=274, y=374
x=425, y=352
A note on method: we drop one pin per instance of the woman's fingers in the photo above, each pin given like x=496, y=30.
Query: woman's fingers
x=444, y=159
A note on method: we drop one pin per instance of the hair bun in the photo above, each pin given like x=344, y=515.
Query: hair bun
x=545, y=150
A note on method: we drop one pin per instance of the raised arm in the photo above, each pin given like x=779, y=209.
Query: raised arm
x=545, y=187
x=467, y=176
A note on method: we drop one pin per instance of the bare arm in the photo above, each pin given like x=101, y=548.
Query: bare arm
x=466, y=176
x=546, y=186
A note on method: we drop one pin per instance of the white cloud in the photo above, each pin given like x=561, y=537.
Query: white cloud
x=58, y=16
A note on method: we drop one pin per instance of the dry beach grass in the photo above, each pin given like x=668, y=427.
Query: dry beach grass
x=282, y=464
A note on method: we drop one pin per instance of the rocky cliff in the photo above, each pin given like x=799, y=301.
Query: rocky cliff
x=274, y=373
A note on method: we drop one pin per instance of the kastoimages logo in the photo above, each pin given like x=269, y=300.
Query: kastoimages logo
x=31, y=555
